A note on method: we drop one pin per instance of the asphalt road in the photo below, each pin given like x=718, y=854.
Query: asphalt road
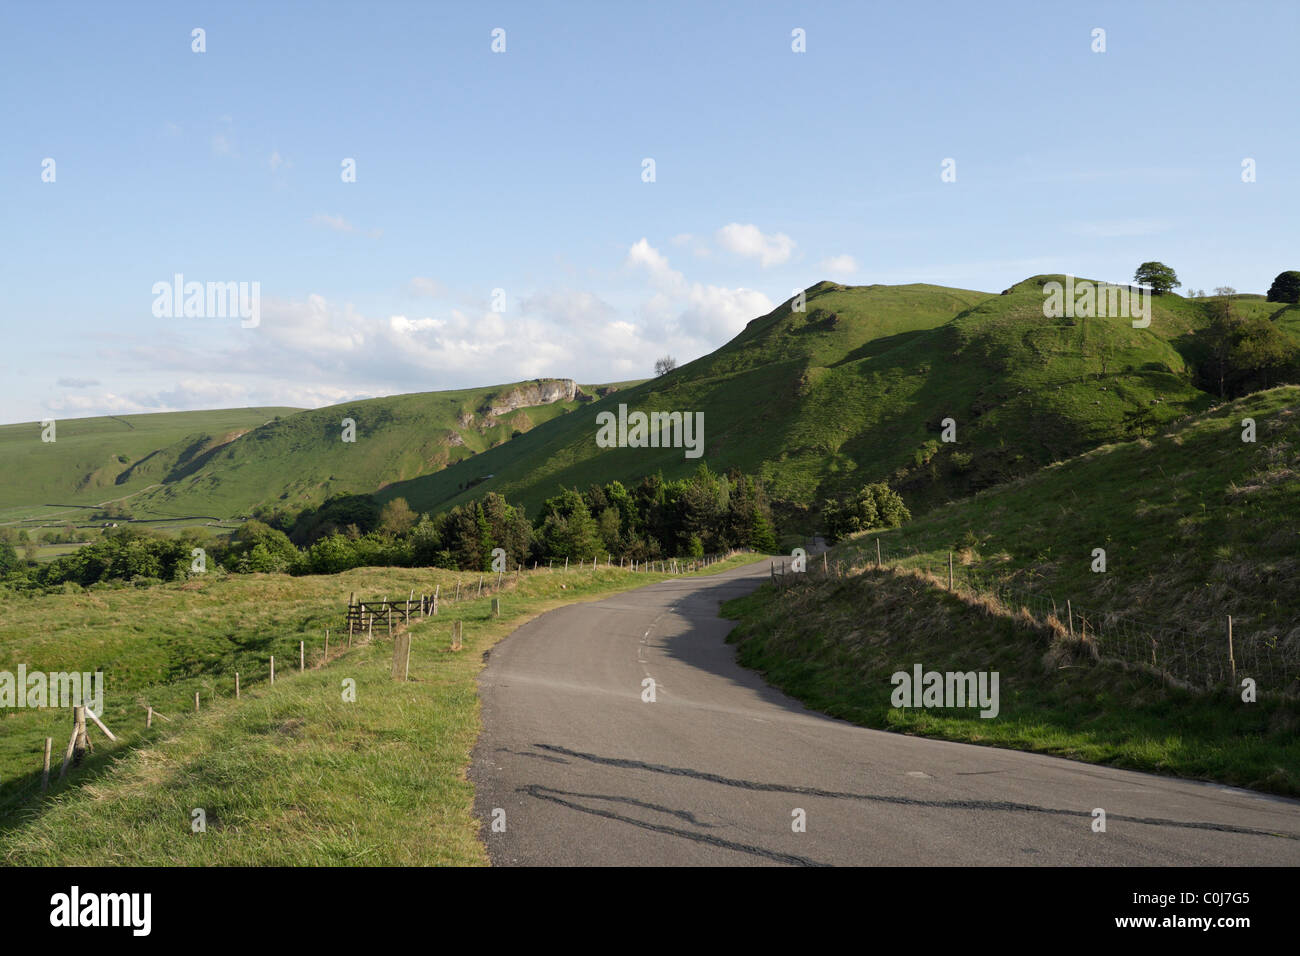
x=712, y=772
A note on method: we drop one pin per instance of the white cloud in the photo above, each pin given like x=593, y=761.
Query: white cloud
x=277, y=162
x=703, y=315
x=645, y=256
x=841, y=266
x=749, y=242
x=312, y=351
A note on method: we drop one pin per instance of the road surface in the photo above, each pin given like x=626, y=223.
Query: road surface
x=716, y=768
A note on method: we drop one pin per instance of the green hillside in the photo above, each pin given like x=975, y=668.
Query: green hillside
x=856, y=389
x=223, y=464
x=1196, y=524
x=302, y=460
x=93, y=460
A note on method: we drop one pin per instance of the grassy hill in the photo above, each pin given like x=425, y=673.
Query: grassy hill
x=856, y=388
x=181, y=466
x=302, y=460
x=93, y=460
x=1196, y=525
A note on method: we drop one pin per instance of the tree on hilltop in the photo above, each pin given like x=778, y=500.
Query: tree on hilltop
x=1285, y=288
x=1158, y=276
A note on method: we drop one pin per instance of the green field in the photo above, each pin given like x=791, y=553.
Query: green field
x=287, y=775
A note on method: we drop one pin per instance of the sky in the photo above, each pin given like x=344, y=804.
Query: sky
x=503, y=223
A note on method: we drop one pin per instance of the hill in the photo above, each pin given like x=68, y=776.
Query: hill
x=304, y=459
x=188, y=465
x=94, y=460
x=857, y=387
x=1192, y=520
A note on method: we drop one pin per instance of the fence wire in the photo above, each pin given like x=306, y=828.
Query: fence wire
x=1197, y=659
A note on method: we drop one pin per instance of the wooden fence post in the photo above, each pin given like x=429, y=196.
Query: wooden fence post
x=402, y=656
x=67, y=754
x=949, y=570
x=496, y=607
x=302, y=656
x=79, y=742
x=1232, y=661
x=196, y=702
x=236, y=690
x=436, y=589
x=458, y=589
x=456, y=636
x=272, y=668
x=879, y=563
x=45, y=773
x=148, y=718
x=327, y=645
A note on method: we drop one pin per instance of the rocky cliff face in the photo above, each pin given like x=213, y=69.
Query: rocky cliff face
x=540, y=392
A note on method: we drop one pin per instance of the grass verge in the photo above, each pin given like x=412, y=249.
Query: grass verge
x=834, y=643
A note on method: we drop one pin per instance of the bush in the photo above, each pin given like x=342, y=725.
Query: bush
x=873, y=506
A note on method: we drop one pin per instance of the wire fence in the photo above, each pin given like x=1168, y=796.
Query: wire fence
x=390, y=615
x=1210, y=657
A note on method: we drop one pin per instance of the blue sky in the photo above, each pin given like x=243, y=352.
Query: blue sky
x=522, y=171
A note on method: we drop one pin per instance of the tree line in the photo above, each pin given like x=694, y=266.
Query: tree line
x=703, y=513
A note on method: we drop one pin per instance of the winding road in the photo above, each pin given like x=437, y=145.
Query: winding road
x=576, y=768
